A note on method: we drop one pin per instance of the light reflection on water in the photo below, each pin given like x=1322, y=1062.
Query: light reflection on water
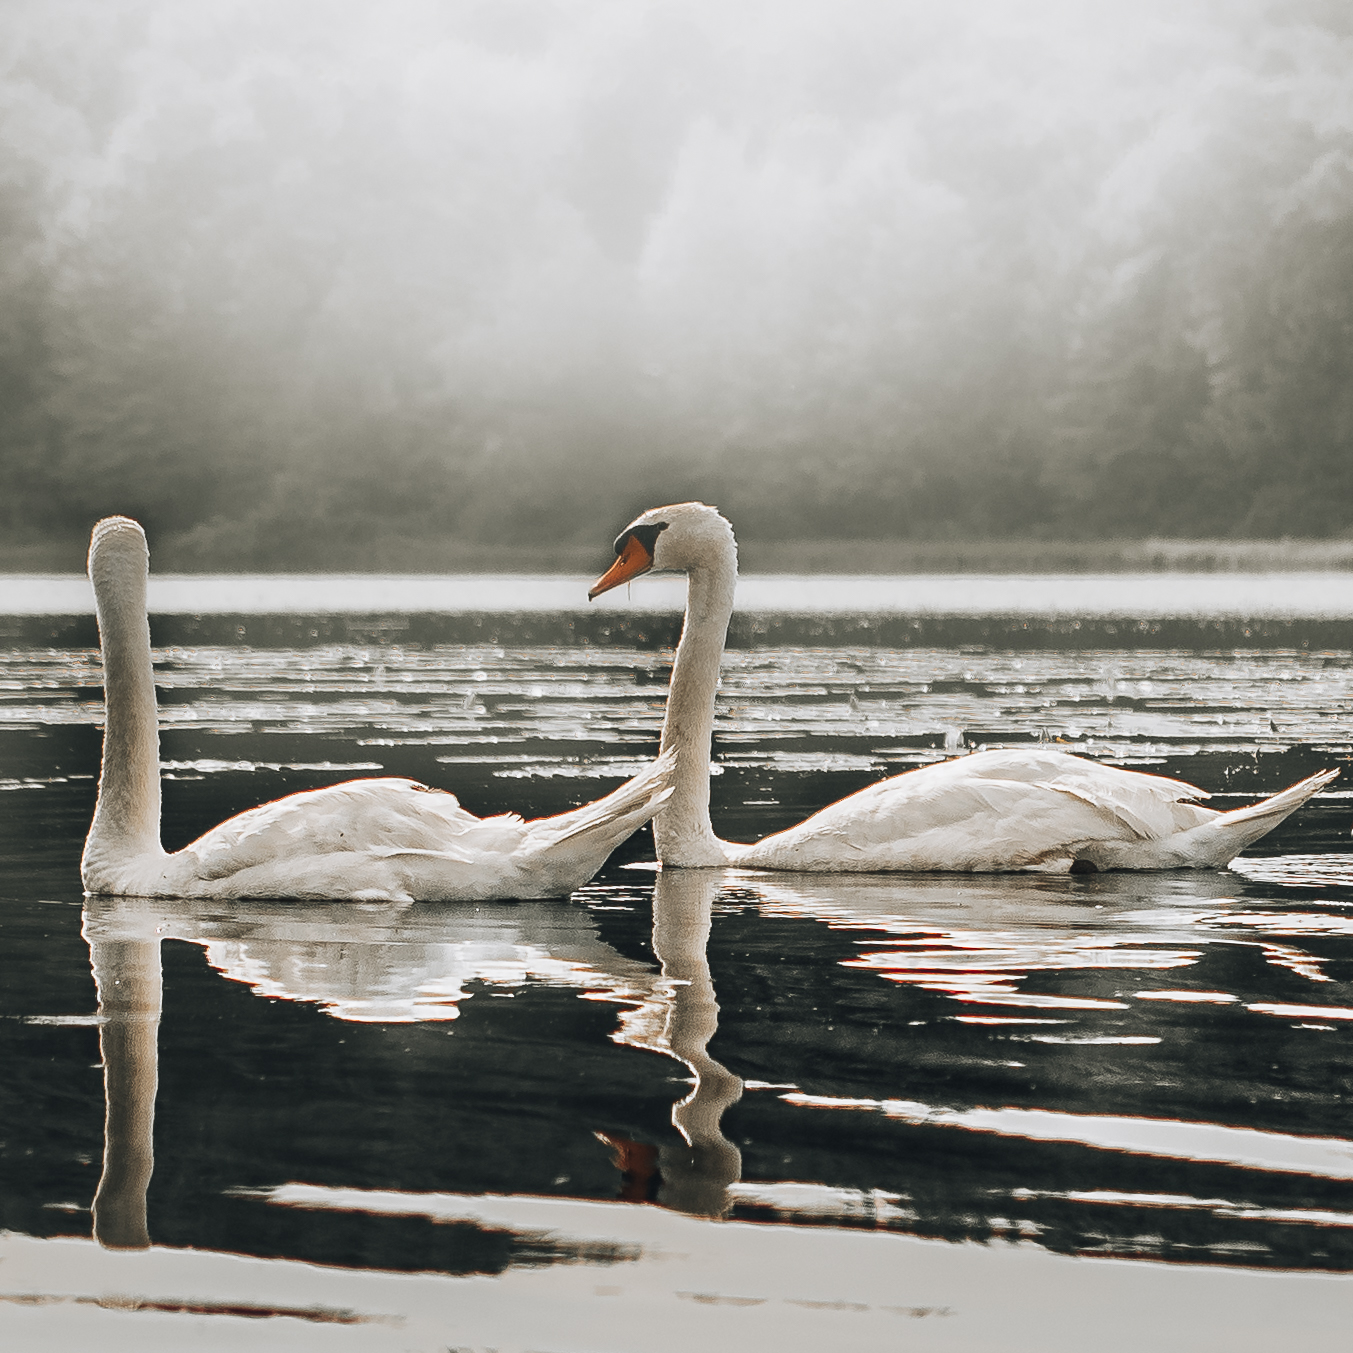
x=1139, y=705
x=1137, y=1065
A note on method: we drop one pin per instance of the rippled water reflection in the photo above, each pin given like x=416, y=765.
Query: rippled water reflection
x=1136, y=1065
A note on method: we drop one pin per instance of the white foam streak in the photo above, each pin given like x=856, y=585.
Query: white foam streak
x=1246, y=1148
x=1219, y=1207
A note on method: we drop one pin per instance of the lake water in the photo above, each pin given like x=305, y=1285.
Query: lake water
x=936, y=1072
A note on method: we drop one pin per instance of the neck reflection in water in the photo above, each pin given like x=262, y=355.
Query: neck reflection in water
x=126, y=966
x=694, y=1176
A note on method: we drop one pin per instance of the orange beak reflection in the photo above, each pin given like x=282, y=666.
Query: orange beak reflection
x=632, y=560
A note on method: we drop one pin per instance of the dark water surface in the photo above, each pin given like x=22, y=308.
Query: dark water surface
x=1136, y=1065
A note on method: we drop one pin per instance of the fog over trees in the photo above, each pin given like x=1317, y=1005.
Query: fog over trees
x=288, y=277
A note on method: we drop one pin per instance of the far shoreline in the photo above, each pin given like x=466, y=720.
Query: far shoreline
x=389, y=553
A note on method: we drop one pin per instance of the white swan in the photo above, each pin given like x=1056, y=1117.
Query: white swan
x=366, y=840
x=1026, y=808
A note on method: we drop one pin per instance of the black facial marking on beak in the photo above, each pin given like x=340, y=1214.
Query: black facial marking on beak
x=646, y=535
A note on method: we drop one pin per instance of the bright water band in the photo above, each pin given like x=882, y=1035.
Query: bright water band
x=1308, y=596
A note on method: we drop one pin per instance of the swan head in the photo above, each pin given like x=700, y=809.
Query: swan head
x=675, y=539
x=116, y=544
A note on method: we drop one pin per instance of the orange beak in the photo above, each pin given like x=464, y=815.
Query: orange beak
x=633, y=559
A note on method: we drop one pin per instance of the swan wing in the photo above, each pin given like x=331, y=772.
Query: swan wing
x=988, y=811
x=1147, y=807
x=396, y=840
x=1151, y=806
x=374, y=818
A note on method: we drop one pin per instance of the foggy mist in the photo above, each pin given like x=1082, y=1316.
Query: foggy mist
x=285, y=278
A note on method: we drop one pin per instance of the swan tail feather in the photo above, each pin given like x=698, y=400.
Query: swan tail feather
x=1232, y=831
x=578, y=842
x=639, y=794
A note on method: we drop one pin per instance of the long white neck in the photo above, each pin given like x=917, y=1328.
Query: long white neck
x=682, y=831
x=127, y=815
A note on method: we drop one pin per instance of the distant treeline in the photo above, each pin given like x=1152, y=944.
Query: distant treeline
x=315, y=289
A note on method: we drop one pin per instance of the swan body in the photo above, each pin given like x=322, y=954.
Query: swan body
x=1013, y=809
x=362, y=841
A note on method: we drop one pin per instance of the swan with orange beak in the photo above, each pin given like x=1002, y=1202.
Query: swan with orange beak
x=1013, y=809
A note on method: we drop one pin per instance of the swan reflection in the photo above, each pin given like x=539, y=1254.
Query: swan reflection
x=384, y=964
x=983, y=942
x=127, y=975
x=1111, y=960
x=693, y=1176
x=404, y=965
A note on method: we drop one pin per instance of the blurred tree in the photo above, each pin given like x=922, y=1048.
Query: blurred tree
x=300, y=285
x=1283, y=410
